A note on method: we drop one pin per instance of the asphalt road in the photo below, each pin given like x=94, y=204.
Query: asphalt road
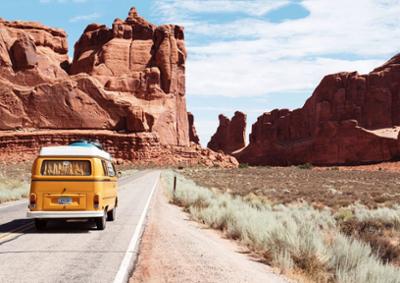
x=75, y=251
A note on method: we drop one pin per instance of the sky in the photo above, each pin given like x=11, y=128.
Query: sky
x=253, y=55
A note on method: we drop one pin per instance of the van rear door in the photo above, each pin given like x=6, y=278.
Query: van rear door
x=65, y=184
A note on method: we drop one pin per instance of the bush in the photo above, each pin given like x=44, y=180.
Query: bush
x=291, y=237
x=11, y=189
x=243, y=165
x=305, y=166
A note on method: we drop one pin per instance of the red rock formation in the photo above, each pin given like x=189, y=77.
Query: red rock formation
x=349, y=119
x=128, y=79
x=192, y=130
x=136, y=148
x=133, y=63
x=230, y=135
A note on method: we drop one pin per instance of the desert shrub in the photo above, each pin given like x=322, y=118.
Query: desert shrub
x=295, y=236
x=385, y=215
x=305, y=166
x=352, y=261
x=13, y=189
x=344, y=214
x=243, y=165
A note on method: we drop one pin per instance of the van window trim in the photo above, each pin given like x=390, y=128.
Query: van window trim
x=112, y=165
x=71, y=158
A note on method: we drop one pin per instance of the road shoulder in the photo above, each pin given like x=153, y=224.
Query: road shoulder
x=175, y=249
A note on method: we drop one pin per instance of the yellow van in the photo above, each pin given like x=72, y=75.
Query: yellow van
x=77, y=181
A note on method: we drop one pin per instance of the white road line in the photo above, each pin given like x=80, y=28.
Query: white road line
x=124, y=268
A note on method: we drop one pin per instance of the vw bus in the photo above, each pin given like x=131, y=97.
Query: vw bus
x=77, y=181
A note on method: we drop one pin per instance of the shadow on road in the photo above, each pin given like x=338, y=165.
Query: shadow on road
x=26, y=226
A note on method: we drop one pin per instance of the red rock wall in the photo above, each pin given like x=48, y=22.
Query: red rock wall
x=230, y=134
x=193, y=137
x=339, y=123
x=136, y=148
x=128, y=78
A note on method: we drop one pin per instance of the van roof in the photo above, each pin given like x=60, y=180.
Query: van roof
x=70, y=151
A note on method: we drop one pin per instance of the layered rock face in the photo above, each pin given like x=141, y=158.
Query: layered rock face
x=230, y=134
x=349, y=119
x=128, y=79
x=138, y=148
x=193, y=137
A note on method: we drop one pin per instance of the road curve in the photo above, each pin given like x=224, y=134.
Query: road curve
x=74, y=251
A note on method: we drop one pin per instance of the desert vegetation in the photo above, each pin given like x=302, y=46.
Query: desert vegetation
x=14, y=181
x=310, y=237
x=319, y=186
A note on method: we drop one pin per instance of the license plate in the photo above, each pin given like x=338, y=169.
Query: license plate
x=64, y=200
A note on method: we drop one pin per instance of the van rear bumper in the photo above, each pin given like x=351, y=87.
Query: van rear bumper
x=64, y=214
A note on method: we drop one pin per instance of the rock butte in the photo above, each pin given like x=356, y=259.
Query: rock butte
x=125, y=87
x=230, y=135
x=349, y=119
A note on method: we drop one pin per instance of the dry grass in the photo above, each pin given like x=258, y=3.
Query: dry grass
x=14, y=181
x=328, y=243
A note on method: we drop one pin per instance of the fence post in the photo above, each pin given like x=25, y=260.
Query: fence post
x=174, y=190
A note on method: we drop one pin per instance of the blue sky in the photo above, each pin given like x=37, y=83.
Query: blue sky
x=252, y=56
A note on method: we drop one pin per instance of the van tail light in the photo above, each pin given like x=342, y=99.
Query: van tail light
x=96, y=201
x=32, y=201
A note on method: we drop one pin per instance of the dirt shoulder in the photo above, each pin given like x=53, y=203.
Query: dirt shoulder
x=175, y=249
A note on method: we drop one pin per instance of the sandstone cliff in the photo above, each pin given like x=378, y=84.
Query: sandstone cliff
x=230, y=134
x=349, y=119
x=125, y=80
x=193, y=137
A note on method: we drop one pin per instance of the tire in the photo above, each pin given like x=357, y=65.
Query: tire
x=112, y=214
x=101, y=222
x=40, y=224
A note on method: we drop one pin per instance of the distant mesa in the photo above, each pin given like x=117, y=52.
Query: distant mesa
x=349, y=119
x=125, y=86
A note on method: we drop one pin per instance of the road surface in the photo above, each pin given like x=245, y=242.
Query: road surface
x=75, y=251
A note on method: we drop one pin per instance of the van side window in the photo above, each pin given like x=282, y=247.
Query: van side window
x=110, y=168
x=105, y=172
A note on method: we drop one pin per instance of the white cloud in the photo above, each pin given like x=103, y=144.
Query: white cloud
x=180, y=10
x=87, y=17
x=251, y=56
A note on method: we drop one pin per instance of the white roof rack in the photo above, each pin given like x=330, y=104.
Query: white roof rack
x=73, y=151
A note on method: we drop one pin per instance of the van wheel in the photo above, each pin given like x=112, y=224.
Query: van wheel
x=40, y=224
x=111, y=215
x=101, y=221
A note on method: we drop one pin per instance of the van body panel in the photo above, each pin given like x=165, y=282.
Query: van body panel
x=76, y=195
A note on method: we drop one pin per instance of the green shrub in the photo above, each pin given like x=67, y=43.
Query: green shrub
x=305, y=166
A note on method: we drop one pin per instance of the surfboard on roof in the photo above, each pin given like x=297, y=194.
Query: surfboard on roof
x=78, y=148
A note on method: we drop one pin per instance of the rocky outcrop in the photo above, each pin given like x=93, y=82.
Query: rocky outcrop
x=128, y=79
x=192, y=130
x=349, y=119
x=139, y=149
x=230, y=135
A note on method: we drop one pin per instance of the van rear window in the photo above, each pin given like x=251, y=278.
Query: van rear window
x=66, y=168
